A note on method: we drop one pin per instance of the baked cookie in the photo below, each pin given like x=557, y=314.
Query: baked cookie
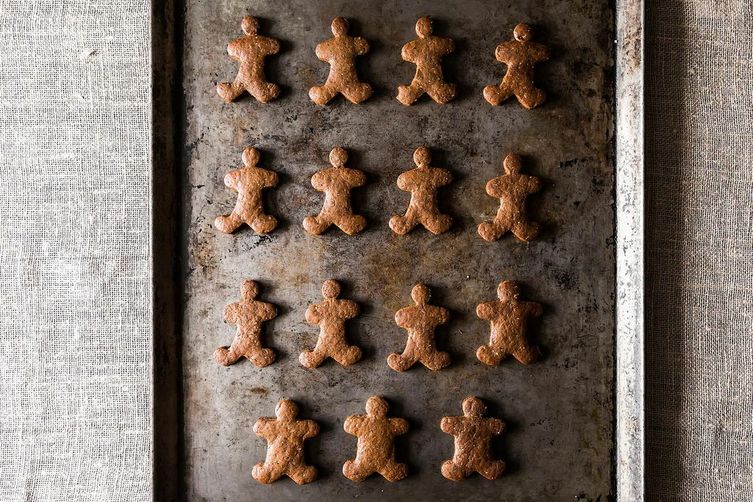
x=426, y=52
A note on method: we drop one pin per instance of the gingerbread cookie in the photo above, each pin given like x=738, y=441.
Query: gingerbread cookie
x=341, y=52
x=248, y=181
x=285, y=436
x=376, y=434
x=426, y=52
x=473, y=435
x=331, y=315
x=250, y=51
x=247, y=314
x=508, y=317
x=422, y=182
x=512, y=189
x=336, y=182
x=520, y=56
x=420, y=320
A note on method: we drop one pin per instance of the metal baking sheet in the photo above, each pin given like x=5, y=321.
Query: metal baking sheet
x=560, y=411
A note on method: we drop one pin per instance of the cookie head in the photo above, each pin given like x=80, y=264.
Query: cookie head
x=513, y=163
x=330, y=289
x=250, y=25
x=249, y=290
x=423, y=27
x=338, y=156
x=508, y=290
x=251, y=157
x=473, y=407
x=376, y=407
x=422, y=156
x=420, y=294
x=339, y=26
x=286, y=410
x=523, y=32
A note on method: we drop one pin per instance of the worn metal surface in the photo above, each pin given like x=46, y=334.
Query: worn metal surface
x=559, y=411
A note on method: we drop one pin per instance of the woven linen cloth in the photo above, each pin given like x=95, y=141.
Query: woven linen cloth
x=699, y=176
x=75, y=261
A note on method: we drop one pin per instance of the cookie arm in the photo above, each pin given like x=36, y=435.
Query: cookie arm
x=273, y=45
x=541, y=52
x=312, y=315
x=399, y=426
x=496, y=426
x=231, y=313
x=270, y=178
x=359, y=178
x=502, y=52
x=262, y=427
x=444, y=315
x=534, y=184
x=484, y=311
x=448, y=46
x=449, y=425
x=351, y=309
x=362, y=46
x=234, y=48
x=407, y=52
x=493, y=188
x=312, y=429
x=352, y=425
x=231, y=179
x=268, y=311
x=534, y=309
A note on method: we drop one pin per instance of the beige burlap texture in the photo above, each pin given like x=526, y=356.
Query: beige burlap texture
x=699, y=285
x=75, y=268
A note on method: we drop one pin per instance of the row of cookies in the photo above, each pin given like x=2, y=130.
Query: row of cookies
x=426, y=52
x=507, y=316
x=336, y=181
x=285, y=434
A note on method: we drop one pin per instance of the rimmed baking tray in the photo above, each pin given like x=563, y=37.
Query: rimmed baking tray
x=574, y=418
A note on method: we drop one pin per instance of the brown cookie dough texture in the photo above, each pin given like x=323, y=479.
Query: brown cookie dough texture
x=376, y=434
x=247, y=315
x=420, y=320
x=520, y=56
x=340, y=52
x=508, y=317
x=330, y=315
x=426, y=52
x=422, y=182
x=285, y=436
x=248, y=181
x=473, y=435
x=250, y=51
x=336, y=182
x=512, y=189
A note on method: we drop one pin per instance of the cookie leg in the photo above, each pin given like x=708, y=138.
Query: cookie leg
x=394, y=471
x=264, y=223
x=436, y=361
x=358, y=93
x=229, y=92
x=322, y=94
x=264, y=474
x=442, y=93
x=302, y=474
x=352, y=224
x=439, y=224
x=315, y=225
x=401, y=225
x=530, y=97
x=264, y=92
x=496, y=94
x=408, y=94
x=451, y=471
x=490, y=231
x=311, y=358
x=353, y=471
x=262, y=357
x=492, y=470
x=487, y=355
x=226, y=356
x=528, y=355
x=526, y=230
x=350, y=355
x=228, y=223
x=403, y=362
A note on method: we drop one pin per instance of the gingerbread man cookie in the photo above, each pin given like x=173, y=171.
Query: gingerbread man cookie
x=247, y=314
x=248, y=181
x=512, y=189
x=422, y=182
x=520, y=56
x=376, y=434
x=250, y=51
x=336, y=182
x=426, y=52
x=473, y=435
x=508, y=317
x=420, y=320
x=340, y=52
x=331, y=315
x=285, y=436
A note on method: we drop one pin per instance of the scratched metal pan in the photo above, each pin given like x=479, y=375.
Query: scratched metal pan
x=560, y=412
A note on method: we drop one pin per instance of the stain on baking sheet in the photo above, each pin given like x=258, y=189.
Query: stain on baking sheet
x=558, y=442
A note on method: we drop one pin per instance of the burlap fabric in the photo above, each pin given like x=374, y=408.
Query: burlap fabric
x=699, y=174
x=75, y=269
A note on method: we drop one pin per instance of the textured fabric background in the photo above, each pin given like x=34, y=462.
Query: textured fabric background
x=699, y=174
x=75, y=269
